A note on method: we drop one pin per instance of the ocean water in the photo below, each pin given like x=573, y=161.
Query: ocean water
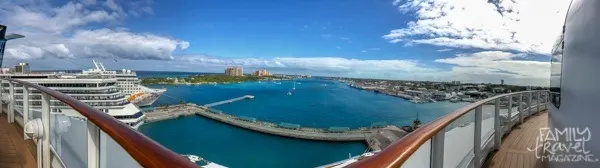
x=314, y=103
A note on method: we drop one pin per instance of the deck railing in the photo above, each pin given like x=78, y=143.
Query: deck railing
x=462, y=138
x=83, y=136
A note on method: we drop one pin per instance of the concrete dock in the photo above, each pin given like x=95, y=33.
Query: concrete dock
x=229, y=101
x=375, y=138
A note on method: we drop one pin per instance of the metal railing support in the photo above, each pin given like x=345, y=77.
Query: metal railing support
x=46, y=138
x=437, y=150
x=538, y=102
x=520, y=108
x=93, y=145
x=497, y=126
x=11, y=102
x=477, y=140
x=509, y=115
x=529, y=103
x=25, y=107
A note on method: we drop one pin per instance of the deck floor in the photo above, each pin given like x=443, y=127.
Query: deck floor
x=14, y=151
x=513, y=151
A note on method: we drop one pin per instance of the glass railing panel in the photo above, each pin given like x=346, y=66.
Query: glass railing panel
x=421, y=158
x=459, y=141
x=113, y=155
x=487, y=123
x=69, y=138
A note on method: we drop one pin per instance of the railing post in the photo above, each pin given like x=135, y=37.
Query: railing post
x=497, y=127
x=25, y=106
x=93, y=145
x=510, y=113
x=520, y=108
x=46, y=137
x=529, y=103
x=437, y=150
x=11, y=102
x=477, y=140
x=539, y=102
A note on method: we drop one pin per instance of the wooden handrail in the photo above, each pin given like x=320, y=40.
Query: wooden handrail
x=398, y=152
x=144, y=150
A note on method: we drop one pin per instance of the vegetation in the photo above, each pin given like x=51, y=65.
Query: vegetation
x=204, y=79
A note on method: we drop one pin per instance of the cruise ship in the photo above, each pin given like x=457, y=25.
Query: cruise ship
x=129, y=84
x=97, y=89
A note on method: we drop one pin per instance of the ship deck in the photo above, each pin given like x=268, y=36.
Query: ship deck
x=14, y=151
x=513, y=151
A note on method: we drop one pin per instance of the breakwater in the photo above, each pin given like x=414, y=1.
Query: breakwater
x=377, y=137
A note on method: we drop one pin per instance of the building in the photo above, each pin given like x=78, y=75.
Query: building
x=234, y=71
x=22, y=68
x=456, y=82
x=262, y=72
x=5, y=70
x=502, y=82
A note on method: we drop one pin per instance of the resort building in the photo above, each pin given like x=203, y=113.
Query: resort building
x=234, y=71
x=22, y=68
x=262, y=72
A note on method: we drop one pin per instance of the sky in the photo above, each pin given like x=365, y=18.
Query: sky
x=481, y=41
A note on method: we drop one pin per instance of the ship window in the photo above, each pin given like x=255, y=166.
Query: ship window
x=556, y=71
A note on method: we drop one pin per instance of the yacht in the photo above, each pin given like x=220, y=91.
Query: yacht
x=97, y=89
x=129, y=84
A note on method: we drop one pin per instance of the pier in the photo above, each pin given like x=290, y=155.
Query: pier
x=376, y=137
x=229, y=101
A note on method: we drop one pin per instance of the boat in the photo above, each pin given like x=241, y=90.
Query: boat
x=454, y=100
x=129, y=84
x=97, y=88
x=294, y=88
x=289, y=92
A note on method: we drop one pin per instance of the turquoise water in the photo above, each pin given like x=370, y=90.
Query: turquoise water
x=314, y=103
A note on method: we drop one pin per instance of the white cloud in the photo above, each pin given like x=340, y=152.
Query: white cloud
x=489, y=66
x=327, y=36
x=119, y=43
x=444, y=50
x=524, y=26
x=315, y=65
x=60, y=32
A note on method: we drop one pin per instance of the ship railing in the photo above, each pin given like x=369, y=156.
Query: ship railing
x=81, y=137
x=462, y=138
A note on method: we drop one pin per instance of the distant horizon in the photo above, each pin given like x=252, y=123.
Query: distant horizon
x=476, y=83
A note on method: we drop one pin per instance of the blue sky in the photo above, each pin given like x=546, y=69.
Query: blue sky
x=468, y=40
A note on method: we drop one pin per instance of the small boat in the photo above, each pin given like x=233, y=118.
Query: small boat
x=454, y=100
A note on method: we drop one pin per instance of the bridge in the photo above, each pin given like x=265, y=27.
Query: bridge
x=229, y=101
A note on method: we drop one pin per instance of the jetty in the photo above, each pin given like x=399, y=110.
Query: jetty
x=229, y=101
x=377, y=136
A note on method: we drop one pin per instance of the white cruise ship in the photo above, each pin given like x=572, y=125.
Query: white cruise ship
x=98, y=90
x=129, y=84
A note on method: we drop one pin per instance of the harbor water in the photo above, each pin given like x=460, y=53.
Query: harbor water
x=313, y=103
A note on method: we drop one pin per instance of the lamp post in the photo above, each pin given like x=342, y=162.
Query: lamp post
x=3, y=39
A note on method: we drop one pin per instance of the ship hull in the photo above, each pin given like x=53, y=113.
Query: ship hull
x=148, y=97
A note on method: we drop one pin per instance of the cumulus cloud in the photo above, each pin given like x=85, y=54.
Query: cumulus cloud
x=444, y=50
x=120, y=43
x=496, y=65
x=62, y=31
x=522, y=26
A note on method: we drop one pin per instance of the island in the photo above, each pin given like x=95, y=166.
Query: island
x=206, y=79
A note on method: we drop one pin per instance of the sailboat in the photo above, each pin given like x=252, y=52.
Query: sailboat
x=294, y=88
x=289, y=92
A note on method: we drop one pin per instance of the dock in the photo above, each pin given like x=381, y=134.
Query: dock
x=376, y=137
x=229, y=101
